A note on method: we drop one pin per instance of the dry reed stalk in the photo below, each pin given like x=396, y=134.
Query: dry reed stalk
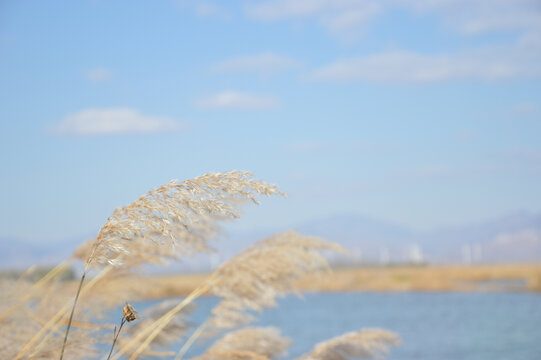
x=54, y=272
x=173, y=332
x=128, y=314
x=193, y=337
x=368, y=344
x=253, y=279
x=147, y=336
x=27, y=320
x=184, y=215
x=57, y=317
x=249, y=343
x=105, y=294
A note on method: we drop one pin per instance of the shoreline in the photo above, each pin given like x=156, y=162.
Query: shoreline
x=444, y=278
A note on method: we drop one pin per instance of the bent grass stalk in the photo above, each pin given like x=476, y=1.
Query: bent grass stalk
x=128, y=314
x=154, y=329
x=72, y=311
x=191, y=340
x=115, y=336
x=266, y=257
x=193, y=207
x=54, y=272
x=57, y=317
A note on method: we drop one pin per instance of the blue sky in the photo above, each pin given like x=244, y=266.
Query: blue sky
x=425, y=113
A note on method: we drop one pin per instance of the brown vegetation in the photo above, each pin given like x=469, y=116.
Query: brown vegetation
x=512, y=278
x=170, y=222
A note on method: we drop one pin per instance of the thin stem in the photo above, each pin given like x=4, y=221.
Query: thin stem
x=50, y=275
x=165, y=319
x=122, y=322
x=71, y=315
x=191, y=340
x=53, y=322
x=154, y=329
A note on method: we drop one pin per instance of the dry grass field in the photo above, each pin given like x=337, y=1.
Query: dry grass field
x=48, y=318
x=405, y=278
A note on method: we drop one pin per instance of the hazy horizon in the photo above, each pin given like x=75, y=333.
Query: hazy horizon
x=425, y=115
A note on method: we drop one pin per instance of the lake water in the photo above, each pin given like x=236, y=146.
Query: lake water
x=433, y=326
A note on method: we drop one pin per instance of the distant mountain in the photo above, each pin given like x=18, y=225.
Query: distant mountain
x=20, y=254
x=352, y=229
x=512, y=238
x=480, y=239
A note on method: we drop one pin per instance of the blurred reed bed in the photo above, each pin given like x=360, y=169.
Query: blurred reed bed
x=53, y=319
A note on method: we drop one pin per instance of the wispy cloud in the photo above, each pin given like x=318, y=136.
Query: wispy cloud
x=265, y=64
x=98, y=75
x=114, y=121
x=346, y=17
x=497, y=63
x=237, y=100
x=341, y=17
x=480, y=16
x=523, y=110
x=206, y=9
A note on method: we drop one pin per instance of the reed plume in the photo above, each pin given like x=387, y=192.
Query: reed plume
x=254, y=343
x=365, y=344
x=252, y=280
x=183, y=215
x=268, y=269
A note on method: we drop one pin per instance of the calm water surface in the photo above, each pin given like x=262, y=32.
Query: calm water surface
x=433, y=326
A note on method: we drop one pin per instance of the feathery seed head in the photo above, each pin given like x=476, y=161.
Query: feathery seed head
x=254, y=279
x=368, y=343
x=248, y=343
x=179, y=217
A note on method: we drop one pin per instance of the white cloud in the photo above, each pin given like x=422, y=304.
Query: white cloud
x=114, y=121
x=523, y=110
x=264, y=63
x=515, y=59
x=341, y=17
x=471, y=17
x=346, y=17
x=283, y=9
x=98, y=75
x=237, y=100
x=203, y=8
x=207, y=9
x=496, y=63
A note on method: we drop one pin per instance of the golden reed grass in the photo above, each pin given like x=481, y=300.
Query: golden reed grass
x=365, y=344
x=171, y=222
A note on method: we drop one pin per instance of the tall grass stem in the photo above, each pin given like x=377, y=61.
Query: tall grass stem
x=71, y=314
x=116, y=336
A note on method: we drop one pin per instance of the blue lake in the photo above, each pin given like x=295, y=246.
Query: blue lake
x=433, y=326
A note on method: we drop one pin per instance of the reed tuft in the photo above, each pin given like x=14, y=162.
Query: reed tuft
x=254, y=279
x=173, y=221
x=364, y=344
x=249, y=343
x=181, y=217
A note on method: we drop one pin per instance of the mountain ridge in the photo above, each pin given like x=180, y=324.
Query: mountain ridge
x=513, y=237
